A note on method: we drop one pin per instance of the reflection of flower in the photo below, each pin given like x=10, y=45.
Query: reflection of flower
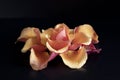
x=71, y=45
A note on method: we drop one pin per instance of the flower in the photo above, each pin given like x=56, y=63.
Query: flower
x=72, y=45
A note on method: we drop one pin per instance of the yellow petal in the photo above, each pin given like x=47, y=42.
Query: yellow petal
x=75, y=59
x=27, y=33
x=71, y=34
x=89, y=31
x=38, y=61
x=28, y=44
x=62, y=25
x=81, y=38
x=45, y=34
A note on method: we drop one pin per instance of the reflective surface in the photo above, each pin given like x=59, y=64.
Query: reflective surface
x=14, y=65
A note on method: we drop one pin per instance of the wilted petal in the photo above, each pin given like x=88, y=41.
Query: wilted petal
x=75, y=59
x=38, y=60
x=92, y=49
x=88, y=31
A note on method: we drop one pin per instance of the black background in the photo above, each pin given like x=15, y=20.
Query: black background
x=103, y=15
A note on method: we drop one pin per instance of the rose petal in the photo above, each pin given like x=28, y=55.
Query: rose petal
x=38, y=60
x=88, y=31
x=75, y=59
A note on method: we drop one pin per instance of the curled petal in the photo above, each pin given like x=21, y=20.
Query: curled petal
x=71, y=34
x=75, y=59
x=60, y=32
x=57, y=46
x=46, y=34
x=62, y=35
x=88, y=31
x=27, y=33
x=38, y=60
x=62, y=25
x=28, y=44
x=81, y=38
x=58, y=41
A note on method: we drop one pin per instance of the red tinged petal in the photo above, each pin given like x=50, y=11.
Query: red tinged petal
x=39, y=48
x=38, y=60
x=60, y=32
x=52, y=56
x=62, y=35
x=57, y=46
x=37, y=32
x=59, y=41
x=75, y=59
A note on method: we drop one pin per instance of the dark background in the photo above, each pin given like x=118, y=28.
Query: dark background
x=103, y=15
